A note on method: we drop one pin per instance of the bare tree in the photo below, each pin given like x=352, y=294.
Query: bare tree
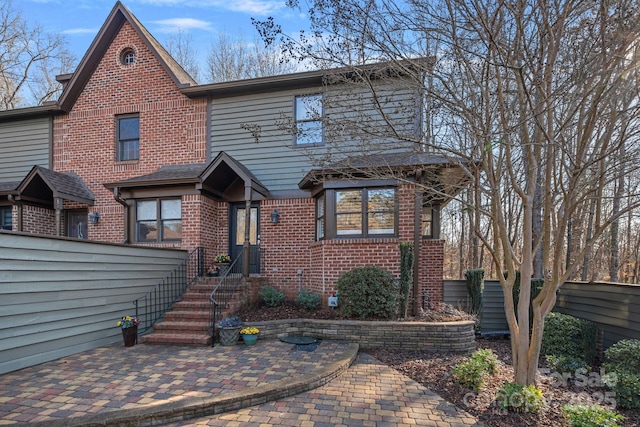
x=543, y=95
x=180, y=47
x=232, y=58
x=29, y=61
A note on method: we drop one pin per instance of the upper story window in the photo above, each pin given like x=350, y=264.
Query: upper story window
x=128, y=56
x=362, y=212
x=5, y=218
x=159, y=220
x=128, y=137
x=308, y=113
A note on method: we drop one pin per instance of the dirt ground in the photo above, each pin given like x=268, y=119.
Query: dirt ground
x=433, y=370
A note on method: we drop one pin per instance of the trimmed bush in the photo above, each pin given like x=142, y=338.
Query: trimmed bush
x=623, y=360
x=518, y=398
x=591, y=416
x=475, y=284
x=569, y=337
x=473, y=372
x=308, y=300
x=368, y=293
x=271, y=296
x=406, y=275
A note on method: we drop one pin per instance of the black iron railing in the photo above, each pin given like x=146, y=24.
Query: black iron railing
x=152, y=306
x=223, y=292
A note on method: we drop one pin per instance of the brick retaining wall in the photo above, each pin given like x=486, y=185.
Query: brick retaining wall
x=458, y=337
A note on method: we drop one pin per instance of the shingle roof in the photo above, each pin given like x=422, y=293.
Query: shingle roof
x=68, y=186
x=9, y=187
x=165, y=174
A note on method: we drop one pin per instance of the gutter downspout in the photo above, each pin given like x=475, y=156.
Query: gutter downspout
x=123, y=202
x=12, y=199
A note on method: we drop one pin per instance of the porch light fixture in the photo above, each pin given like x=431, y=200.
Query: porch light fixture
x=94, y=217
x=275, y=216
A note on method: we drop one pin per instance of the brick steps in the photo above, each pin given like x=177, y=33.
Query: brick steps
x=188, y=321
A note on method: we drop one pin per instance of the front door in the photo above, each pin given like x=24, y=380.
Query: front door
x=77, y=224
x=236, y=230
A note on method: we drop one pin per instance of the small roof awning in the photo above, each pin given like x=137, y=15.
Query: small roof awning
x=445, y=175
x=213, y=179
x=9, y=188
x=43, y=186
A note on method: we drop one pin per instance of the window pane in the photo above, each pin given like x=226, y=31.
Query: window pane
x=381, y=200
x=171, y=230
x=320, y=217
x=348, y=224
x=309, y=107
x=427, y=229
x=146, y=210
x=348, y=201
x=5, y=218
x=253, y=226
x=171, y=209
x=129, y=150
x=309, y=133
x=147, y=231
x=381, y=223
x=129, y=128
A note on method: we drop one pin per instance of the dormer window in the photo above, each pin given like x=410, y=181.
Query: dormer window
x=128, y=56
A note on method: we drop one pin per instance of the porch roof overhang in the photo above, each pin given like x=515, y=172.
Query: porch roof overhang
x=43, y=187
x=212, y=179
x=9, y=188
x=446, y=176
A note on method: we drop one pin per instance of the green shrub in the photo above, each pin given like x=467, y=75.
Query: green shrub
x=518, y=398
x=368, y=293
x=624, y=356
x=565, y=363
x=470, y=374
x=475, y=284
x=569, y=337
x=473, y=372
x=308, y=300
x=406, y=275
x=623, y=359
x=591, y=416
x=271, y=296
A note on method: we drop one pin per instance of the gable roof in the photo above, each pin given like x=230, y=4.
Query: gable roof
x=213, y=178
x=42, y=185
x=117, y=17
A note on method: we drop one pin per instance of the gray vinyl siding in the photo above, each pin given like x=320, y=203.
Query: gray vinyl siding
x=351, y=126
x=493, y=317
x=615, y=308
x=23, y=144
x=62, y=296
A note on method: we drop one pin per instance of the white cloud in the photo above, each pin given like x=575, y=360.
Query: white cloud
x=80, y=31
x=260, y=7
x=174, y=25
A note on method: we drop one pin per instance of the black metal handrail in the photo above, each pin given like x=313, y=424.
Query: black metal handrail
x=152, y=306
x=223, y=292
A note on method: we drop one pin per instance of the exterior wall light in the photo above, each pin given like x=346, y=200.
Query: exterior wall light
x=94, y=217
x=275, y=216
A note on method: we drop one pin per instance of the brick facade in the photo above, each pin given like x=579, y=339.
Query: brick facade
x=172, y=129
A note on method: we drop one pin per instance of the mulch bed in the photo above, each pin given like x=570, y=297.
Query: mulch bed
x=433, y=370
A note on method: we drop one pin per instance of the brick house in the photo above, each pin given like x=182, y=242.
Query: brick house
x=135, y=151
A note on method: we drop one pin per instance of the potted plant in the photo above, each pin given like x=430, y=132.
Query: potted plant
x=229, y=330
x=249, y=335
x=221, y=263
x=129, y=326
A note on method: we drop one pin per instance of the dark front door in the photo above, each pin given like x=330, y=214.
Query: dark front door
x=77, y=224
x=236, y=230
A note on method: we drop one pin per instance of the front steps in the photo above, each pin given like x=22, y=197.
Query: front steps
x=188, y=321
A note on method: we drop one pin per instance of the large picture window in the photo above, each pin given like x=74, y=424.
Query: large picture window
x=159, y=220
x=308, y=113
x=5, y=218
x=128, y=137
x=361, y=212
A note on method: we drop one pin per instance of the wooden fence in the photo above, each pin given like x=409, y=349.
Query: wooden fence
x=614, y=307
x=61, y=296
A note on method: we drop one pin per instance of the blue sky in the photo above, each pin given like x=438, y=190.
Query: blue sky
x=80, y=20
